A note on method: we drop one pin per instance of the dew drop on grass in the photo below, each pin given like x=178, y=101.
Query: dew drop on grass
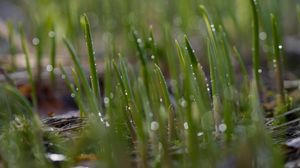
x=99, y=114
x=51, y=34
x=199, y=134
x=56, y=157
x=150, y=39
x=152, y=57
x=280, y=47
x=72, y=95
x=160, y=100
x=182, y=102
x=186, y=125
x=49, y=68
x=154, y=126
x=262, y=36
x=106, y=100
x=222, y=127
x=107, y=124
x=35, y=41
x=213, y=27
x=260, y=71
x=139, y=40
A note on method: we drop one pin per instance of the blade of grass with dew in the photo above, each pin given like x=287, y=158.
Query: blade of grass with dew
x=29, y=70
x=255, y=38
x=134, y=113
x=212, y=52
x=93, y=105
x=52, y=35
x=278, y=68
x=128, y=115
x=167, y=102
x=189, y=125
x=71, y=86
x=142, y=56
x=92, y=59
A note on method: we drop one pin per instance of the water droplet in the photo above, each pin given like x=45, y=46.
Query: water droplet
x=161, y=100
x=139, y=40
x=49, y=68
x=152, y=57
x=35, y=41
x=280, y=47
x=199, y=134
x=262, y=36
x=51, y=34
x=150, y=39
x=222, y=127
x=56, y=157
x=182, y=102
x=185, y=125
x=107, y=124
x=260, y=71
x=274, y=61
x=99, y=114
x=106, y=100
x=126, y=93
x=154, y=126
x=72, y=95
x=213, y=27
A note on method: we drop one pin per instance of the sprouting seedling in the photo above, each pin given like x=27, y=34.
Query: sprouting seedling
x=167, y=102
x=127, y=94
x=52, y=66
x=72, y=87
x=212, y=52
x=92, y=59
x=12, y=47
x=91, y=99
x=28, y=69
x=255, y=49
x=278, y=63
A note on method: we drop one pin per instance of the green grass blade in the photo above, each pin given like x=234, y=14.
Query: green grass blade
x=52, y=35
x=92, y=59
x=29, y=70
x=278, y=65
x=167, y=102
x=255, y=49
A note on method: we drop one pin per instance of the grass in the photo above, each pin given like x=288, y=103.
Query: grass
x=164, y=103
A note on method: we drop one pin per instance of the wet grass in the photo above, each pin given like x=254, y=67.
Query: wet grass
x=163, y=103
